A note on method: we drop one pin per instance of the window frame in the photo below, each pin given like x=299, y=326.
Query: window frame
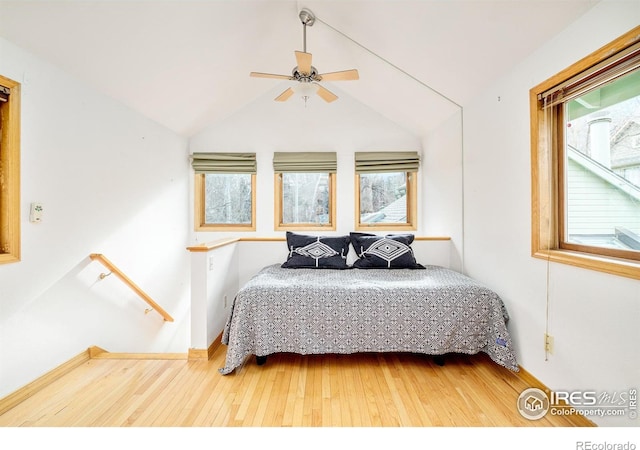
x=412, y=207
x=10, y=250
x=200, y=202
x=547, y=182
x=278, y=209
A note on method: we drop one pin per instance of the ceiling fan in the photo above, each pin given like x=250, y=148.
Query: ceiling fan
x=305, y=73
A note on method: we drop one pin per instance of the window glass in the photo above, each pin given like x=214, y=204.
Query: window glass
x=228, y=198
x=383, y=198
x=602, y=166
x=306, y=198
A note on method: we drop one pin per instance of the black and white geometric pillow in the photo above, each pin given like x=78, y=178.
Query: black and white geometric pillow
x=392, y=251
x=316, y=252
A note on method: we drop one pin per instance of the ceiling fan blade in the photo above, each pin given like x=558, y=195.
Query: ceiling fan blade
x=304, y=62
x=284, y=96
x=270, y=75
x=326, y=95
x=343, y=75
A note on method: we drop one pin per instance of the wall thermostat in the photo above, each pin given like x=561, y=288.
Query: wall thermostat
x=35, y=214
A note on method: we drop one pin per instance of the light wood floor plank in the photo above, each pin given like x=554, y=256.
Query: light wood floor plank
x=362, y=390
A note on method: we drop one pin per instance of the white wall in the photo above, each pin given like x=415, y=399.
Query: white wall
x=593, y=316
x=111, y=182
x=442, y=181
x=345, y=126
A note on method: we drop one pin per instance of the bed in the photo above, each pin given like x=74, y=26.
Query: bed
x=432, y=311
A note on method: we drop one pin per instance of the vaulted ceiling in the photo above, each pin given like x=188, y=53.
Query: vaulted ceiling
x=186, y=64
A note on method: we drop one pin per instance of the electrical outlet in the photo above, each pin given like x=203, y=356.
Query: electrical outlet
x=548, y=343
x=225, y=301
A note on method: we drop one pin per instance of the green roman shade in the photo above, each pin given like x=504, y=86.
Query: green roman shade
x=224, y=162
x=377, y=162
x=305, y=162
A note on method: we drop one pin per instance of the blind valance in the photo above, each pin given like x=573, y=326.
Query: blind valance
x=305, y=162
x=4, y=93
x=616, y=66
x=370, y=162
x=224, y=162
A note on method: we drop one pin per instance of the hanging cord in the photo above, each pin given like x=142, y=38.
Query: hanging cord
x=440, y=94
x=386, y=61
x=549, y=119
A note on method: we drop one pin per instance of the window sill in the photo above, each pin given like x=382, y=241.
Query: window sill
x=304, y=227
x=225, y=228
x=390, y=227
x=615, y=266
x=6, y=258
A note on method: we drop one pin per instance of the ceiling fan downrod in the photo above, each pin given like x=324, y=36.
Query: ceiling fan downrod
x=307, y=18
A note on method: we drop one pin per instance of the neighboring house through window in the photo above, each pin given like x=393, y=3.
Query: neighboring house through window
x=9, y=170
x=586, y=164
x=225, y=191
x=386, y=189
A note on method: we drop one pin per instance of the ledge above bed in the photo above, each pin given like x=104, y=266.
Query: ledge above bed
x=212, y=245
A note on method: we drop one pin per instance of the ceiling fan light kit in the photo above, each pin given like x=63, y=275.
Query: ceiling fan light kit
x=305, y=74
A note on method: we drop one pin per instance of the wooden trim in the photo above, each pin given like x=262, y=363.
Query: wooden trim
x=412, y=208
x=10, y=248
x=227, y=241
x=624, y=41
x=213, y=245
x=263, y=239
x=198, y=197
x=602, y=251
x=117, y=272
x=620, y=267
x=95, y=351
x=199, y=206
x=547, y=199
x=356, y=196
x=149, y=356
x=215, y=345
x=100, y=353
x=39, y=383
x=431, y=238
x=198, y=354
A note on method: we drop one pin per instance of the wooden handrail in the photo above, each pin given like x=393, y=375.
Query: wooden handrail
x=117, y=272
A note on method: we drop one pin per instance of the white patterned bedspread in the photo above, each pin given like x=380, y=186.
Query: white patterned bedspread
x=314, y=311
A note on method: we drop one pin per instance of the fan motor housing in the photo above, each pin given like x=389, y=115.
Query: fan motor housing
x=299, y=76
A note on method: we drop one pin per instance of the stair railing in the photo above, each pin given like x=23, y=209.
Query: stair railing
x=117, y=272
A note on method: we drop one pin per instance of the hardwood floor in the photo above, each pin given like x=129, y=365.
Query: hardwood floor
x=362, y=390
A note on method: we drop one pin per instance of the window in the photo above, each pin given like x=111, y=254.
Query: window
x=386, y=190
x=305, y=190
x=585, y=165
x=225, y=187
x=9, y=170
